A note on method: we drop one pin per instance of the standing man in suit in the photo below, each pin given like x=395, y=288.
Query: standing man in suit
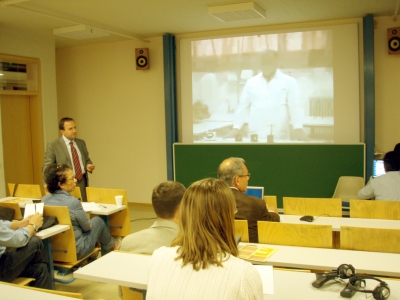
x=72, y=152
x=234, y=172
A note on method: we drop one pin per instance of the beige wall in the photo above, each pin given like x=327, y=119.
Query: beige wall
x=387, y=88
x=119, y=112
x=29, y=45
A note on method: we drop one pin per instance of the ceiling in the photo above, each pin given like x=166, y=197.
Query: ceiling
x=148, y=18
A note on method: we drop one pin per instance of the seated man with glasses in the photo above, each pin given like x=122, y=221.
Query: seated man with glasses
x=234, y=172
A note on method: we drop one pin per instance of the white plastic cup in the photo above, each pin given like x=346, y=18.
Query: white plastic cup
x=118, y=200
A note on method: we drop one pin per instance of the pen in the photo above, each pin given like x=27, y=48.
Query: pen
x=103, y=206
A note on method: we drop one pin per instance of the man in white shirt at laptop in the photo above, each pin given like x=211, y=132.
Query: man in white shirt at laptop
x=387, y=186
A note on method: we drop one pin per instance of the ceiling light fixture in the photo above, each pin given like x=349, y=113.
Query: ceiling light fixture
x=237, y=12
x=80, y=32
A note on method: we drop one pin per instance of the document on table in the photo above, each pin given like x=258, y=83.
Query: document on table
x=256, y=253
x=89, y=206
x=267, y=278
x=31, y=209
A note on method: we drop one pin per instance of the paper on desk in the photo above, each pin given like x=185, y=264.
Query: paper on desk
x=31, y=209
x=267, y=278
x=89, y=206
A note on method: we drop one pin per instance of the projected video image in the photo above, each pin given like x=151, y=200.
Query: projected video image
x=274, y=88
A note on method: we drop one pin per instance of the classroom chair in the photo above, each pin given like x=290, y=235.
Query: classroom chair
x=302, y=235
x=25, y=190
x=370, y=239
x=327, y=207
x=271, y=203
x=55, y=292
x=242, y=230
x=63, y=244
x=375, y=209
x=22, y=280
x=347, y=188
x=15, y=207
x=120, y=221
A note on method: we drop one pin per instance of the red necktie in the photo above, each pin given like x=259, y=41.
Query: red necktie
x=77, y=164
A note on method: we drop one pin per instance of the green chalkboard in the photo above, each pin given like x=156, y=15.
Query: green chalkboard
x=283, y=170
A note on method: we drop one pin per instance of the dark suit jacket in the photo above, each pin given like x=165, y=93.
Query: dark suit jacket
x=57, y=152
x=252, y=209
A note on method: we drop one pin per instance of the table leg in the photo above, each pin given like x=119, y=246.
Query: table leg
x=48, y=246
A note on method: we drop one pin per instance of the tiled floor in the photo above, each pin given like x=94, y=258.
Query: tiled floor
x=142, y=216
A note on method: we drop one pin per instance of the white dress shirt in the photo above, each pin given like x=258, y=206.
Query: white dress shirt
x=384, y=187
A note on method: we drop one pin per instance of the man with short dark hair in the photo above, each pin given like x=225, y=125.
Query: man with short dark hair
x=166, y=199
x=234, y=172
x=72, y=152
x=387, y=186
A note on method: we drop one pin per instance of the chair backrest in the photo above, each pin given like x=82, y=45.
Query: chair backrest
x=120, y=221
x=370, y=239
x=271, y=201
x=331, y=207
x=63, y=244
x=302, y=235
x=375, y=209
x=242, y=230
x=348, y=187
x=54, y=292
x=76, y=193
x=25, y=190
x=15, y=207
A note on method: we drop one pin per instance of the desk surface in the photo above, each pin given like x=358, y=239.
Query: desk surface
x=132, y=270
x=119, y=268
x=15, y=292
x=53, y=230
x=287, y=284
x=20, y=200
x=105, y=209
x=337, y=222
x=374, y=263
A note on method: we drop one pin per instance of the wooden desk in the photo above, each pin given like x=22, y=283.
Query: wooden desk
x=106, y=209
x=15, y=292
x=337, y=222
x=45, y=235
x=373, y=263
x=131, y=270
x=21, y=201
x=297, y=285
x=119, y=268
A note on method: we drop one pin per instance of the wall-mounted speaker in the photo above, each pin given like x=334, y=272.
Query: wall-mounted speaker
x=393, y=37
x=142, y=58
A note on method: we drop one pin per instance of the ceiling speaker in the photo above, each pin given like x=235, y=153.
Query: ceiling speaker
x=142, y=58
x=393, y=37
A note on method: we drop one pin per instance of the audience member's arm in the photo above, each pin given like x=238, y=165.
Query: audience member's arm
x=82, y=218
x=367, y=192
x=268, y=215
x=18, y=234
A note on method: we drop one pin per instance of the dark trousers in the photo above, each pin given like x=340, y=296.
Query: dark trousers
x=28, y=261
x=82, y=184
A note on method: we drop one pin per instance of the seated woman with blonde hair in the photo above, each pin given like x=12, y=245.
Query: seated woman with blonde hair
x=201, y=262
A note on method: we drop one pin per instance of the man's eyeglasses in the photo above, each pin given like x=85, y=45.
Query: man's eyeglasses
x=247, y=175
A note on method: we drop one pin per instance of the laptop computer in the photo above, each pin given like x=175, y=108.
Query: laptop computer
x=379, y=168
x=256, y=191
